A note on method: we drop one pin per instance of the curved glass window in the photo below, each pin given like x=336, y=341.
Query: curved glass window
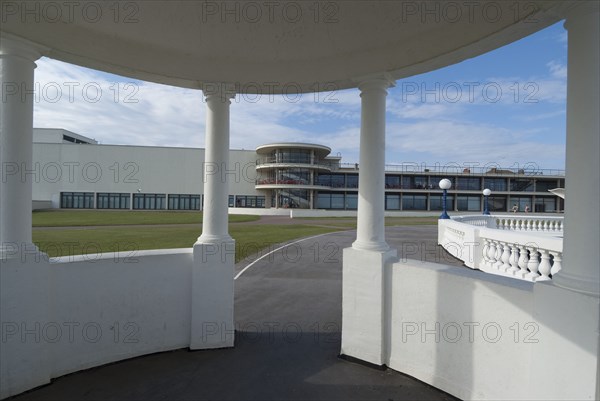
x=293, y=156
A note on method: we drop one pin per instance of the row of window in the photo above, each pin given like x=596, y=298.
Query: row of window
x=105, y=200
x=299, y=176
x=301, y=199
x=247, y=201
x=470, y=203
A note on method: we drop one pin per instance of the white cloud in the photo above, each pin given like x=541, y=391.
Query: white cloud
x=159, y=115
x=557, y=69
x=446, y=142
x=118, y=111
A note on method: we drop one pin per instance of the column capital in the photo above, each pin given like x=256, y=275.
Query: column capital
x=11, y=45
x=222, y=91
x=378, y=81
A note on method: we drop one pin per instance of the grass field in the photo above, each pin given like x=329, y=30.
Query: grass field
x=89, y=232
x=249, y=239
x=78, y=218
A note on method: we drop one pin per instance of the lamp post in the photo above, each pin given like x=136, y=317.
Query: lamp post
x=486, y=194
x=445, y=185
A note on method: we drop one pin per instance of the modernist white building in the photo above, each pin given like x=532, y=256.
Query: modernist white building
x=72, y=171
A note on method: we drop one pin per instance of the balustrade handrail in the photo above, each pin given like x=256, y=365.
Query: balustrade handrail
x=526, y=253
x=525, y=171
x=268, y=181
x=536, y=223
x=315, y=162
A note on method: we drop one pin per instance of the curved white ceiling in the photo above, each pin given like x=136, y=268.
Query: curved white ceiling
x=274, y=46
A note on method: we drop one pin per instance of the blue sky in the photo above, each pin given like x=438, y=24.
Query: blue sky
x=507, y=107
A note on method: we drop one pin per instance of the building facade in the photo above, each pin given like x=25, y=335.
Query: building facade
x=86, y=175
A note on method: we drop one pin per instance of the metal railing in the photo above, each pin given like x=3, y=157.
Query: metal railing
x=530, y=170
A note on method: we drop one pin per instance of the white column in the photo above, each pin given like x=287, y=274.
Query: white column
x=216, y=162
x=17, y=64
x=582, y=216
x=24, y=272
x=364, y=300
x=212, y=323
x=370, y=234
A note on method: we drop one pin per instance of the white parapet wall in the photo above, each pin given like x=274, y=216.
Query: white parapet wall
x=484, y=337
x=475, y=335
x=65, y=314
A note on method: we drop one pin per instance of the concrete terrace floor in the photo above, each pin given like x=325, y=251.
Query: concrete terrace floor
x=288, y=316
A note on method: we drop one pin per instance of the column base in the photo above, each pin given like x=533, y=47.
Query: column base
x=370, y=246
x=212, y=323
x=23, y=251
x=575, y=283
x=364, y=304
x=567, y=339
x=25, y=305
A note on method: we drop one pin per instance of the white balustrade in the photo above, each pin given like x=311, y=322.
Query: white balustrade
x=538, y=224
x=522, y=247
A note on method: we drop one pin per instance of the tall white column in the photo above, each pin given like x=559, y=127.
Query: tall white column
x=216, y=162
x=370, y=234
x=214, y=253
x=17, y=64
x=364, y=304
x=24, y=272
x=582, y=216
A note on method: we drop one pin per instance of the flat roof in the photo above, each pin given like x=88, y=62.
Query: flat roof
x=320, y=150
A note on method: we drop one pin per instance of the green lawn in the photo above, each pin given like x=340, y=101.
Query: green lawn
x=78, y=218
x=108, y=237
x=250, y=239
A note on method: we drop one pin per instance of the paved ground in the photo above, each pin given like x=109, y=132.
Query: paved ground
x=288, y=313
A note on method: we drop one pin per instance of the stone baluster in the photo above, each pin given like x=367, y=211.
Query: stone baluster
x=523, y=260
x=484, y=252
x=498, y=255
x=533, y=264
x=492, y=254
x=505, y=257
x=514, y=259
x=557, y=262
x=544, y=267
